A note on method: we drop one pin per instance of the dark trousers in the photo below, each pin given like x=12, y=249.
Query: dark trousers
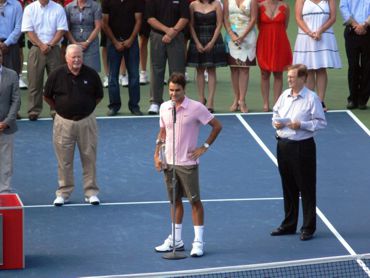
x=11, y=58
x=297, y=167
x=132, y=59
x=358, y=55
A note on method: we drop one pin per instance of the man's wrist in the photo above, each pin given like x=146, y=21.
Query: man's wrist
x=206, y=146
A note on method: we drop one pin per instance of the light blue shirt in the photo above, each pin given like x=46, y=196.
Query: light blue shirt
x=358, y=10
x=11, y=22
x=306, y=108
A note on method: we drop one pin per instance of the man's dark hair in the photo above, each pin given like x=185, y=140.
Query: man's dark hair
x=177, y=78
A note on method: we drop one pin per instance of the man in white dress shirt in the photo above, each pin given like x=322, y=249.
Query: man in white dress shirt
x=45, y=23
x=297, y=115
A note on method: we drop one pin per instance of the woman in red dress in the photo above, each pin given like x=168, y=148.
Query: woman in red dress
x=274, y=53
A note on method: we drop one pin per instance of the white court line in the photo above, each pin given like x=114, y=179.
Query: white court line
x=318, y=211
x=357, y=120
x=158, y=202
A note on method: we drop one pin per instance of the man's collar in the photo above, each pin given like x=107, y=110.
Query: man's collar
x=302, y=93
x=88, y=3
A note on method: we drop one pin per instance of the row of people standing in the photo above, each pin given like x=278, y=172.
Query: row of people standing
x=315, y=45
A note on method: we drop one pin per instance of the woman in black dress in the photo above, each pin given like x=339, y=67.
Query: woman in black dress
x=206, y=49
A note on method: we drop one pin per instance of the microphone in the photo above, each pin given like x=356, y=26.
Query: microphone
x=173, y=103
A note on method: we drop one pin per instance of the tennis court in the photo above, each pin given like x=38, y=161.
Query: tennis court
x=240, y=186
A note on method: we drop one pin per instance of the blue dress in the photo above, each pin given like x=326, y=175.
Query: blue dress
x=81, y=23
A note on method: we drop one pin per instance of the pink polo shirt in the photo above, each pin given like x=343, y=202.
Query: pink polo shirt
x=190, y=115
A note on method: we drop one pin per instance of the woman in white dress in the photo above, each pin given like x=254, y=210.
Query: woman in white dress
x=240, y=17
x=316, y=46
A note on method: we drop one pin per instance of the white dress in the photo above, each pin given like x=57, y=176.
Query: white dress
x=316, y=54
x=239, y=17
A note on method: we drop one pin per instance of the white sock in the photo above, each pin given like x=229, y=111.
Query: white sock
x=178, y=231
x=198, y=233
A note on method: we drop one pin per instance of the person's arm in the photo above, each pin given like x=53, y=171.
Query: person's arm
x=138, y=20
x=216, y=129
x=287, y=15
x=97, y=28
x=233, y=36
x=331, y=20
x=252, y=22
x=62, y=27
x=193, y=34
x=345, y=12
x=173, y=31
x=16, y=33
x=109, y=33
x=216, y=34
x=299, y=18
x=15, y=104
x=158, y=144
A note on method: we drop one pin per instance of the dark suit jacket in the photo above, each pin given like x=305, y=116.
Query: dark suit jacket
x=10, y=100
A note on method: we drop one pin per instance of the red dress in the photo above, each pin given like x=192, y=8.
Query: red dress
x=274, y=53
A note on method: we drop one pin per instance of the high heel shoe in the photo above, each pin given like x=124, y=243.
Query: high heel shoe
x=234, y=107
x=243, y=107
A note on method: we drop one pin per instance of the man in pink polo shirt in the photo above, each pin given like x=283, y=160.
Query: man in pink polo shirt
x=190, y=115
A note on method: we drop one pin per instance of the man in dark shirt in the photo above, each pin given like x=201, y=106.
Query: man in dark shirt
x=167, y=19
x=121, y=24
x=74, y=90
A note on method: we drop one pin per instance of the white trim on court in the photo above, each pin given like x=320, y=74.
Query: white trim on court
x=357, y=120
x=158, y=202
x=318, y=211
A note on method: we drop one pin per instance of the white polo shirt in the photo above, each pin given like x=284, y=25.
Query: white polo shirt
x=45, y=21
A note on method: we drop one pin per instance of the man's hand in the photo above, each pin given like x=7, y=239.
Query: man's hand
x=4, y=48
x=45, y=48
x=3, y=126
x=294, y=125
x=119, y=45
x=198, y=152
x=157, y=163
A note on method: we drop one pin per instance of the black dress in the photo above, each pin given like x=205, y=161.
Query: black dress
x=205, y=25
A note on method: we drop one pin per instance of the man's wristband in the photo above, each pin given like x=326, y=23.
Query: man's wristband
x=206, y=145
x=159, y=142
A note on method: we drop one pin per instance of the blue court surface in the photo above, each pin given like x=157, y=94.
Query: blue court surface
x=240, y=187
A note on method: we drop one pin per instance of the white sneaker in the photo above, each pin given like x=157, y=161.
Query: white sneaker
x=105, y=82
x=153, y=109
x=94, y=200
x=187, y=76
x=143, y=77
x=123, y=80
x=60, y=201
x=167, y=245
x=197, y=250
x=22, y=83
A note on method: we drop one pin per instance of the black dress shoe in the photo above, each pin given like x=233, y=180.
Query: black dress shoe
x=306, y=236
x=351, y=105
x=136, y=112
x=33, y=117
x=281, y=232
x=362, y=106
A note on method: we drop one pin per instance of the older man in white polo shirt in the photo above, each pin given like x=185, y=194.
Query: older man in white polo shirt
x=45, y=23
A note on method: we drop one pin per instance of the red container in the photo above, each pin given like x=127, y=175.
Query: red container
x=12, y=250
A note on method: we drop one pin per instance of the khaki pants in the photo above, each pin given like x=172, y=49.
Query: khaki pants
x=37, y=63
x=66, y=134
x=6, y=161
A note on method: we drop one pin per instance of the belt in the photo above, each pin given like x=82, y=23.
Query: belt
x=74, y=118
x=286, y=140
